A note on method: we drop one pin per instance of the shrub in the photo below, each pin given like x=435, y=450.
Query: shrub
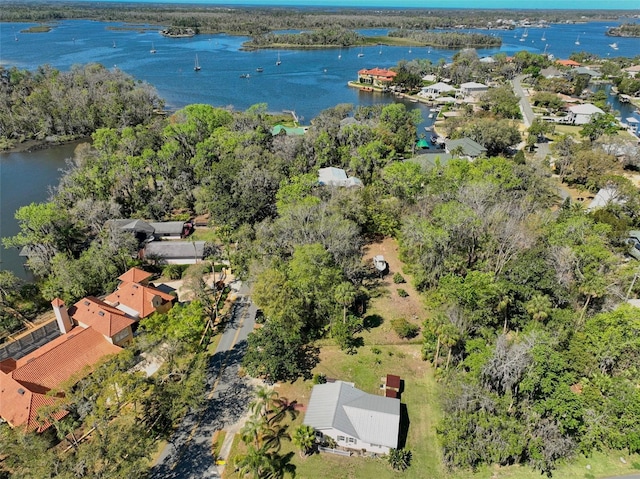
x=375, y=350
x=398, y=279
x=173, y=271
x=404, y=328
x=402, y=293
x=319, y=378
x=399, y=459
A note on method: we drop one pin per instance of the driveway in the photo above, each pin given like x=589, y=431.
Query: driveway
x=525, y=107
x=188, y=455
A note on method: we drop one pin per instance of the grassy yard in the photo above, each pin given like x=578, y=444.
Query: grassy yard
x=385, y=353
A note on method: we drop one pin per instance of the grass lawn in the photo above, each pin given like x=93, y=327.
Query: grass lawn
x=384, y=353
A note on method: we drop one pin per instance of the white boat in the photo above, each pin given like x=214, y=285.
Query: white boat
x=525, y=34
x=340, y=54
x=361, y=54
x=577, y=42
x=379, y=263
x=153, y=48
x=278, y=62
x=544, y=39
x=196, y=66
x=614, y=45
x=114, y=44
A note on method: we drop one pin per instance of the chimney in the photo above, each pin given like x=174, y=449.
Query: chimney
x=62, y=316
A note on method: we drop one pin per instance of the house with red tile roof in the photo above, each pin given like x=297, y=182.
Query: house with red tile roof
x=377, y=77
x=92, y=330
x=568, y=63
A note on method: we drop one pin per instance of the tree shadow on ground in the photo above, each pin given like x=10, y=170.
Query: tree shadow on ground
x=372, y=321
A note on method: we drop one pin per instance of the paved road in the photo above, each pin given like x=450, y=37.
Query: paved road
x=188, y=455
x=525, y=107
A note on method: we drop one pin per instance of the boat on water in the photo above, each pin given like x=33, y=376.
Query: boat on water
x=114, y=44
x=361, y=54
x=259, y=69
x=278, y=62
x=525, y=34
x=245, y=75
x=577, y=42
x=434, y=139
x=153, y=48
x=544, y=39
x=196, y=66
x=614, y=45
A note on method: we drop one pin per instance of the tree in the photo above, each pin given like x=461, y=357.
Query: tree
x=539, y=307
x=304, y=437
x=345, y=294
x=599, y=124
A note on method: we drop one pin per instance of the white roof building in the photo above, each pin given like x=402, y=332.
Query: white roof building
x=436, y=90
x=581, y=114
x=353, y=418
x=604, y=197
x=473, y=88
x=332, y=176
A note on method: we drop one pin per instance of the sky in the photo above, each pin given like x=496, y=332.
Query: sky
x=477, y=4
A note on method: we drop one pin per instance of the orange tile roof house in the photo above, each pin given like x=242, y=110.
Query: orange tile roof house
x=92, y=330
x=378, y=77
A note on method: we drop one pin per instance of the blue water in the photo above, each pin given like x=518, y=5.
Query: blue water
x=307, y=81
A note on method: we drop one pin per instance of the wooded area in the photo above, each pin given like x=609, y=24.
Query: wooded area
x=528, y=327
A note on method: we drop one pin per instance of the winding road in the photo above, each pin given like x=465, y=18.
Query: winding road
x=188, y=454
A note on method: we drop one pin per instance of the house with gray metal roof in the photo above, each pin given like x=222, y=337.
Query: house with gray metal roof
x=468, y=148
x=353, y=418
x=332, y=176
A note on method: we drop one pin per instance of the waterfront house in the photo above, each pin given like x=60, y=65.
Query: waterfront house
x=567, y=63
x=332, y=176
x=632, y=71
x=289, y=130
x=582, y=114
x=551, y=72
x=436, y=90
x=377, y=77
x=353, y=418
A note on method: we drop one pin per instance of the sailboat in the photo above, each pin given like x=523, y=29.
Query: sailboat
x=577, y=42
x=525, y=34
x=361, y=54
x=278, y=62
x=614, y=45
x=153, y=48
x=544, y=39
x=114, y=44
x=340, y=54
x=196, y=67
x=380, y=52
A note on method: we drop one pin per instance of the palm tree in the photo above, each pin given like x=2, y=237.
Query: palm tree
x=345, y=294
x=263, y=404
x=304, y=437
x=253, y=431
x=539, y=307
x=273, y=436
x=400, y=459
x=256, y=462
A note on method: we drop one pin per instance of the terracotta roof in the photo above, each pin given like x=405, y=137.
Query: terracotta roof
x=100, y=316
x=135, y=275
x=138, y=298
x=568, y=63
x=23, y=389
x=59, y=360
x=378, y=72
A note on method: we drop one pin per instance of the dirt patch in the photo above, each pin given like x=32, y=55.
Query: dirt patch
x=389, y=303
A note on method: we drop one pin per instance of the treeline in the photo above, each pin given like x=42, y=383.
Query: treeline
x=452, y=40
x=47, y=102
x=328, y=36
x=256, y=21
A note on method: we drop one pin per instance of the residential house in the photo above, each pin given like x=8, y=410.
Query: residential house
x=332, y=176
x=377, y=77
x=175, y=252
x=632, y=71
x=436, y=90
x=353, y=418
x=473, y=88
x=605, y=196
x=466, y=146
x=586, y=71
x=289, y=130
x=582, y=114
x=551, y=72
x=91, y=331
x=567, y=63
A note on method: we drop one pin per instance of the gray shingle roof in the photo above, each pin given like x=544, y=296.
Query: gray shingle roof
x=175, y=249
x=373, y=419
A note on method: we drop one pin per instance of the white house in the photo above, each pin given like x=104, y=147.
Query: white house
x=332, y=176
x=581, y=114
x=353, y=418
x=604, y=197
x=436, y=90
x=473, y=88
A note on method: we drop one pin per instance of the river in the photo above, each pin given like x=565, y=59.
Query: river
x=306, y=81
